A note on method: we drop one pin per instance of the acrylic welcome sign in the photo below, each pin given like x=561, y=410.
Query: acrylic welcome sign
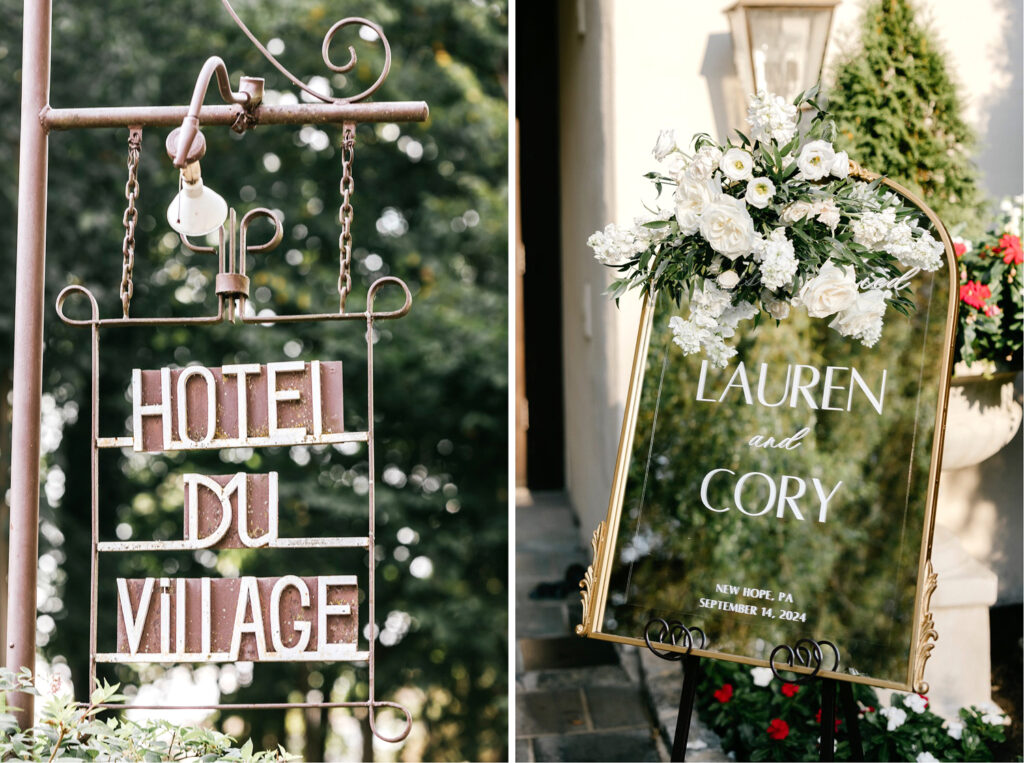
x=787, y=495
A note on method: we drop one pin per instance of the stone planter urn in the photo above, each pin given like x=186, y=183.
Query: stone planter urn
x=983, y=415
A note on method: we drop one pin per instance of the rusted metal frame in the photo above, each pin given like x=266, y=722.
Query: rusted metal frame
x=225, y=116
x=262, y=706
x=28, y=353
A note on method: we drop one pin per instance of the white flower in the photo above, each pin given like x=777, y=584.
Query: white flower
x=777, y=260
x=833, y=289
x=709, y=300
x=915, y=702
x=737, y=164
x=727, y=227
x=896, y=717
x=686, y=334
x=771, y=118
x=691, y=198
x=675, y=165
x=665, y=144
x=762, y=676
x=840, y=165
x=732, y=315
x=827, y=213
x=704, y=163
x=993, y=716
x=718, y=351
x=728, y=279
x=797, y=211
x=759, y=192
x=615, y=245
x=955, y=729
x=863, y=320
x=926, y=757
x=777, y=308
x=871, y=229
x=815, y=160
x=925, y=253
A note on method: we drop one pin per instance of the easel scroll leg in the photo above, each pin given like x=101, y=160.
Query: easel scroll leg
x=691, y=675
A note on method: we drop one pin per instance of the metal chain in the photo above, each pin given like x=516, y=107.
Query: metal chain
x=348, y=150
x=131, y=217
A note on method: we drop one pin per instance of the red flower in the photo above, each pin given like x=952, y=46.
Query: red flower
x=817, y=719
x=922, y=696
x=1009, y=246
x=959, y=249
x=975, y=294
x=778, y=729
x=789, y=690
x=724, y=693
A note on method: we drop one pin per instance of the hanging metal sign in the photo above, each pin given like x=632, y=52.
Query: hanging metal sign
x=788, y=496
x=292, y=618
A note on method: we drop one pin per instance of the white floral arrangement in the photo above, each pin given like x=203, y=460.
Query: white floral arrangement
x=766, y=224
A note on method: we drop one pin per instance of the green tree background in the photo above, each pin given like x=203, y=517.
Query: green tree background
x=430, y=207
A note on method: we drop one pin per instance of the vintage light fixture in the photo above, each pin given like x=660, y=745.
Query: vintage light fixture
x=779, y=45
x=196, y=210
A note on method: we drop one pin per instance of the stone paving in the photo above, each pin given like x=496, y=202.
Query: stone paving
x=582, y=699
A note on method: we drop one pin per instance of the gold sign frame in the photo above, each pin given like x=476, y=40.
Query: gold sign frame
x=595, y=584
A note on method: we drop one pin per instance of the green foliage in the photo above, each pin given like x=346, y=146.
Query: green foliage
x=73, y=730
x=898, y=112
x=743, y=714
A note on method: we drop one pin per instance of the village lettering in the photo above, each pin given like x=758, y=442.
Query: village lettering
x=241, y=405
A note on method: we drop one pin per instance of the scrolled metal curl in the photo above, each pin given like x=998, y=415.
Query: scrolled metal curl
x=672, y=630
x=66, y=292
x=373, y=727
x=380, y=283
x=325, y=53
x=803, y=653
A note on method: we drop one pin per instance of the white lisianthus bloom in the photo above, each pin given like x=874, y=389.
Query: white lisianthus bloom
x=815, y=160
x=726, y=225
x=771, y=118
x=895, y=715
x=797, y=211
x=925, y=253
x=704, y=163
x=955, y=729
x=871, y=229
x=759, y=192
x=834, y=288
x=863, y=320
x=840, y=165
x=926, y=757
x=777, y=308
x=916, y=702
x=762, y=676
x=728, y=279
x=776, y=260
x=691, y=198
x=737, y=164
x=615, y=245
x=664, y=145
x=827, y=213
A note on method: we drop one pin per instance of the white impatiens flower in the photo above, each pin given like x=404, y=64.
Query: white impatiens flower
x=726, y=225
x=834, y=288
x=759, y=192
x=704, y=163
x=815, y=160
x=926, y=757
x=771, y=118
x=955, y=729
x=737, y=164
x=691, y=197
x=862, y=320
x=993, y=716
x=895, y=715
x=776, y=260
x=762, y=676
x=916, y=702
x=840, y=165
x=664, y=145
x=615, y=245
x=871, y=229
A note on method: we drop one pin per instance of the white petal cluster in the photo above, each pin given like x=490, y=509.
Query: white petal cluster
x=926, y=757
x=955, y=729
x=713, y=319
x=832, y=290
x=691, y=197
x=759, y=192
x=771, y=118
x=863, y=320
x=871, y=229
x=664, y=145
x=815, y=160
x=915, y=702
x=737, y=164
x=828, y=213
x=762, y=676
x=895, y=715
x=704, y=163
x=776, y=260
x=925, y=253
x=615, y=245
x=727, y=226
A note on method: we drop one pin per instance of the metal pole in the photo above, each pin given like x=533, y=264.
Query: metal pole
x=28, y=350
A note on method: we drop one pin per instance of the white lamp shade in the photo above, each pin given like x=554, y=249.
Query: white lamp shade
x=197, y=210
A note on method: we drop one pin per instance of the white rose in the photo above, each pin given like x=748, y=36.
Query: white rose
x=691, y=198
x=815, y=160
x=727, y=227
x=759, y=192
x=761, y=676
x=728, y=279
x=796, y=211
x=777, y=308
x=665, y=144
x=737, y=164
x=840, y=165
x=828, y=213
x=863, y=320
x=704, y=163
x=833, y=289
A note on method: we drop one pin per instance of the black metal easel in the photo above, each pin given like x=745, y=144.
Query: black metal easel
x=806, y=653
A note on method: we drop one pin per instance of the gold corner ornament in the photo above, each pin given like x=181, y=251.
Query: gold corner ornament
x=860, y=173
x=928, y=633
x=587, y=584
